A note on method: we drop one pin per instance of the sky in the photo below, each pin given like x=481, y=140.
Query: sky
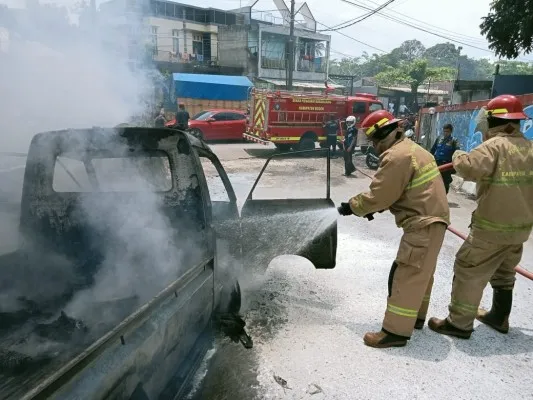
x=454, y=19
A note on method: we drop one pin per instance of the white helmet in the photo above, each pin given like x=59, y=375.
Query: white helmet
x=409, y=133
x=350, y=121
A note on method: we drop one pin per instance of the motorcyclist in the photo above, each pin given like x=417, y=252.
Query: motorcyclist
x=407, y=183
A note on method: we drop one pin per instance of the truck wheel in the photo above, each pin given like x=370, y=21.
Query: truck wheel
x=283, y=146
x=306, y=143
x=231, y=298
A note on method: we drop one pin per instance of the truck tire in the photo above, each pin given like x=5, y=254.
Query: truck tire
x=306, y=143
x=231, y=298
x=283, y=147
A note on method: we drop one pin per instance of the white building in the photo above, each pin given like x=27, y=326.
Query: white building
x=176, y=32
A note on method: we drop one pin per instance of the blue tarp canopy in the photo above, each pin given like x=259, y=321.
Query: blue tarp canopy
x=212, y=87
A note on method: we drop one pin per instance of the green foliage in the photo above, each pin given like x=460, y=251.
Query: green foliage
x=414, y=74
x=509, y=27
x=442, y=55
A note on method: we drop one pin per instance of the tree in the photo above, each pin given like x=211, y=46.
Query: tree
x=515, y=68
x=414, y=74
x=509, y=27
x=409, y=51
x=442, y=55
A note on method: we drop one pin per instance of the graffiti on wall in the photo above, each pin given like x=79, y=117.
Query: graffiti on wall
x=527, y=125
x=464, y=126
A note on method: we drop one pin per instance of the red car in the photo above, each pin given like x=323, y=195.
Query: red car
x=217, y=124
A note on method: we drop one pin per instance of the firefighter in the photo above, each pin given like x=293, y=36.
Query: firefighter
x=408, y=183
x=502, y=168
x=349, y=145
x=332, y=128
x=443, y=149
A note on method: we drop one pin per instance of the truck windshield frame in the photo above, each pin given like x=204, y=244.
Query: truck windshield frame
x=86, y=173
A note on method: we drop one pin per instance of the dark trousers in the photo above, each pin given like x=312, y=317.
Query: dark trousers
x=446, y=175
x=331, y=141
x=349, y=167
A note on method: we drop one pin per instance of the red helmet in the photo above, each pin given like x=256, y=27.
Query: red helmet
x=506, y=106
x=376, y=120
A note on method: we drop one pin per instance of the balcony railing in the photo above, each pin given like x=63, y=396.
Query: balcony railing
x=273, y=63
x=311, y=66
x=185, y=58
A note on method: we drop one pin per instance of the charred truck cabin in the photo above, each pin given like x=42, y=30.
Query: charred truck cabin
x=123, y=260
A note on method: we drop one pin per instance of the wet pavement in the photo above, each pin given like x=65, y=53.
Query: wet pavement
x=307, y=324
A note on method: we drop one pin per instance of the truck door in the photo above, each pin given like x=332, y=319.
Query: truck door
x=225, y=221
x=277, y=226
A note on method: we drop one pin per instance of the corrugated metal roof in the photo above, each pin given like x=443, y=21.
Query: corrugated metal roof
x=300, y=84
x=216, y=79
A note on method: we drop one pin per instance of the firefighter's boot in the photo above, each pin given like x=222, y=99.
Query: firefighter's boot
x=384, y=339
x=419, y=324
x=498, y=316
x=443, y=327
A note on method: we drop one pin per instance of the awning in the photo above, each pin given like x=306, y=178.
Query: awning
x=302, y=84
x=212, y=87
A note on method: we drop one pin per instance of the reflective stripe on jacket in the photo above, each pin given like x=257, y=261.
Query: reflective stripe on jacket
x=409, y=184
x=502, y=167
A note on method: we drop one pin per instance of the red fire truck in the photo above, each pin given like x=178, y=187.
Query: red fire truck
x=295, y=119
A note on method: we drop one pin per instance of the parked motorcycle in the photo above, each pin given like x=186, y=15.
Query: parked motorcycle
x=372, y=160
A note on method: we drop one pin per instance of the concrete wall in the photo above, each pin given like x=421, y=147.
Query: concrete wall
x=465, y=96
x=234, y=48
x=463, y=119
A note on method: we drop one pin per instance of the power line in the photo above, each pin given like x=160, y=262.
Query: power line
x=352, y=38
x=449, y=32
x=361, y=18
x=399, y=21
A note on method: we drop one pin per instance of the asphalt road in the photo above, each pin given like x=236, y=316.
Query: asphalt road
x=307, y=324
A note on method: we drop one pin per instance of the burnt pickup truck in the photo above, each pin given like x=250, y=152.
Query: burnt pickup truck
x=124, y=259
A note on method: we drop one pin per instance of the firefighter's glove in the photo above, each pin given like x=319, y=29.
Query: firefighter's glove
x=345, y=209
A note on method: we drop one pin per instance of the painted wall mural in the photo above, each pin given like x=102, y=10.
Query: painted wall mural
x=464, y=126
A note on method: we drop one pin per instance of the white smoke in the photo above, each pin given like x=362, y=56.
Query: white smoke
x=58, y=73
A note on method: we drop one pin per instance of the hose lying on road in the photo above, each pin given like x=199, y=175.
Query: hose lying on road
x=446, y=167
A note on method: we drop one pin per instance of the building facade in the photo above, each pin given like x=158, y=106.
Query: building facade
x=172, y=32
x=261, y=48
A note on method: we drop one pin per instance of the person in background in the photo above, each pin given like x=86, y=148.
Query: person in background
x=182, y=118
x=443, y=150
x=349, y=145
x=160, y=120
x=332, y=128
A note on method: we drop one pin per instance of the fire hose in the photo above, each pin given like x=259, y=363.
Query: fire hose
x=446, y=167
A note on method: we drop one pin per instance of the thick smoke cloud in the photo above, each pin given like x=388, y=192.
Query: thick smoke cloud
x=61, y=73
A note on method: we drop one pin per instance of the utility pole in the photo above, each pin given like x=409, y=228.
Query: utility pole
x=291, y=49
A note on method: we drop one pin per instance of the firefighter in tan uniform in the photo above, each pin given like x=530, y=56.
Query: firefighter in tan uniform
x=502, y=167
x=409, y=184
